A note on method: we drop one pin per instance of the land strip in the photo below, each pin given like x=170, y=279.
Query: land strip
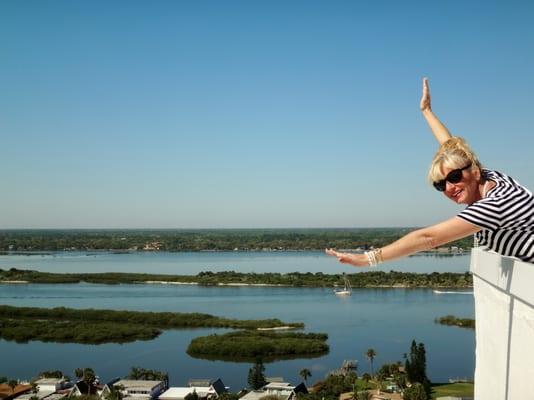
x=103, y=326
x=373, y=279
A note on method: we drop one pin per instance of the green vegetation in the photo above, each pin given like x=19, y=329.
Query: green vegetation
x=415, y=367
x=51, y=374
x=256, y=376
x=251, y=345
x=334, y=384
x=103, y=326
x=357, y=280
x=451, y=320
x=453, y=389
x=202, y=239
x=138, y=373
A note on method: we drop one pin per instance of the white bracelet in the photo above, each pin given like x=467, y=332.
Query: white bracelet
x=374, y=257
x=371, y=258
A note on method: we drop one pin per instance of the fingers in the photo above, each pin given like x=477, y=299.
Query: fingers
x=331, y=252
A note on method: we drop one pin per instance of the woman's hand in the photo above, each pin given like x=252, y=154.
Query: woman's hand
x=358, y=260
x=425, y=98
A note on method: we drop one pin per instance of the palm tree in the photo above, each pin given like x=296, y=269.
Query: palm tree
x=12, y=384
x=371, y=354
x=135, y=373
x=305, y=373
x=89, y=378
x=79, y=373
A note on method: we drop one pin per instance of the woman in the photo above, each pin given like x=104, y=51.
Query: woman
x=500, y=212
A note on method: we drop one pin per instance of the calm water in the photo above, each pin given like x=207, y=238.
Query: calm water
x=384, y=319
x=191, y=263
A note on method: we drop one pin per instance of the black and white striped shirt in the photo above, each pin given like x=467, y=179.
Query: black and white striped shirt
x=506, y=216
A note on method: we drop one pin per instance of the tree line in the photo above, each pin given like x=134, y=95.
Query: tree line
x=296, y=279
x=202, y=239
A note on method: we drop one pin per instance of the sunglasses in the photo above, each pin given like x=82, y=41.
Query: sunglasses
x=454, y=176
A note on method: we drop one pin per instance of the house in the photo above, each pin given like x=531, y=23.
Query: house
x=48, y=389
x=8, y=393
x=136, y=389
x=82, y=388
x=204, y=388
x=50, y=384
x=283, y=390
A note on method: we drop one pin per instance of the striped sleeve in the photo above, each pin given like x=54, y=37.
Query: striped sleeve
x=485, y=213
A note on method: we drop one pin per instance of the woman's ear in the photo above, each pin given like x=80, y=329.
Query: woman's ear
x=478, y=174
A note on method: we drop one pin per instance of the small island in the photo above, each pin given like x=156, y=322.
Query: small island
x=247, y=346
x=90, y=326
x=451, y=320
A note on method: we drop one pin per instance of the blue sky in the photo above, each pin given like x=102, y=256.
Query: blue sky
x=226, y=114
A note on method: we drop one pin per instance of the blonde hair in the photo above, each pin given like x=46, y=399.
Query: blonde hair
x=454, y=153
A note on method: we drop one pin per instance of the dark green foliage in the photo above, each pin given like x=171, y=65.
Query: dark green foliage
x=256, y=376
x=305, y=374
x=196, y=240
x=357, y=280
x=451, y=320
x=192, y=396
x=88, y=397
x=143, y=374
x=51, y=374
x=103, y=326
x=25, y=330
x=228, y=396
x=416, y=367
x=333, y=386
x=248, y=345
x=416, y=392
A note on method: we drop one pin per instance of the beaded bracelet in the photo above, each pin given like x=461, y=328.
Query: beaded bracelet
x=374, y=257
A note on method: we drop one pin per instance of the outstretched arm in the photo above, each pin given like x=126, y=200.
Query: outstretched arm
x=422, y=239
x=439, y=130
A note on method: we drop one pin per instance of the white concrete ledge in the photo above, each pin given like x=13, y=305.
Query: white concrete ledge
x=509, y=274
x=504, y=310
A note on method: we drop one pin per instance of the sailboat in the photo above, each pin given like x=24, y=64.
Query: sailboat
x=347, y=289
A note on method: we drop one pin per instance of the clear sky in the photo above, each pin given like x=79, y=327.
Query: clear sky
x=227, y=114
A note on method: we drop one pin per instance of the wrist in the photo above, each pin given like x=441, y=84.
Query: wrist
x=426, y=111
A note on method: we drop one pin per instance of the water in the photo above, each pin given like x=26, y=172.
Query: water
x=384, y=319
x=191, y=263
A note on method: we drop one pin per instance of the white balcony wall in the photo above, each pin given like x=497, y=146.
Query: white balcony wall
x=504, y=309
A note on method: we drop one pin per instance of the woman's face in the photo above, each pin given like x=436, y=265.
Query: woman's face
x=466, y=191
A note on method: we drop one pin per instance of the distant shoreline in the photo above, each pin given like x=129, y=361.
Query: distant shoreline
x=371, y=279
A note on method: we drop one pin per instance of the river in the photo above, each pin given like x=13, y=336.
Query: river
x=386, y=320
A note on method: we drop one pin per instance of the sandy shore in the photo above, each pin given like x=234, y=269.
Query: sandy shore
x=15, y=282
x=277, y=328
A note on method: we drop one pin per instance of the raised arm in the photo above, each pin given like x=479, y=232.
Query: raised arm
x=439, y=130
x=419, y=240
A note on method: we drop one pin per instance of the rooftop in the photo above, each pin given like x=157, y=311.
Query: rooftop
x=130, y=384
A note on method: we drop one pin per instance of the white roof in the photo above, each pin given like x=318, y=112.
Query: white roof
x=181, y=392
x=133, y=384
x=279, y=386
x=49, y=381
x=176, y=393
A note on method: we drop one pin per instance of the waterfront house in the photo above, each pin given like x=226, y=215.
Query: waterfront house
x=48, y=389
x=136, y=389
x=204, y=388
x=50, y=384
x=283, y=390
